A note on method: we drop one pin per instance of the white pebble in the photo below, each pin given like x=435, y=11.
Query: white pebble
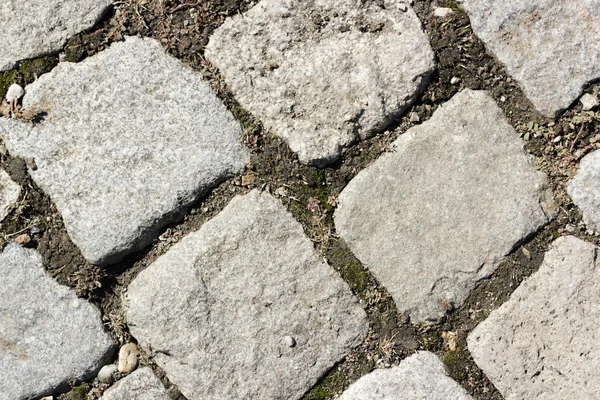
x=455, y=80
x=14, y=92
x=289, y=341
x=442, y=12
x=503, y=99
x=557, y=139
x=128, y=358
x=106, y=373
x=588, y=102
x=414, y=117
x=569, y=228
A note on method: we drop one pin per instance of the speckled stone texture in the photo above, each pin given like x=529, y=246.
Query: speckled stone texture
x=9, y=194
x=141, y=384
x=131, y=138
x=324, y=74
x=420, y=376
x=584, y=189
x=437, y=214
x=33, y=28
x=542, y=344
x=48, y=336
x=551, y=47
x=219, y=308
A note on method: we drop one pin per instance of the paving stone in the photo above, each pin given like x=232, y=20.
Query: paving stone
x=420, y=376
x=140, y=385
x=551, y=47
x=436, y=215
x=543, y=342
x=48, y=336
x=219, y=307
x=131, y=137
x=34, y=28
x=324, y=74
x=584, y=189
x=9, y=193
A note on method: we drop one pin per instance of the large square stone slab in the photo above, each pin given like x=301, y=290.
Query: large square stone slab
x=438, y=212
x=543, y=342
x=324, y=74
x=131, y=137
x=48, y=336
x=9, y=194
x=551, y=47
x=34, y=28
x=420, y=376
x=244, y=308
x=584, y=189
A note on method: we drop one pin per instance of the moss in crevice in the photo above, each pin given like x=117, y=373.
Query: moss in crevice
x=331, y=385
x=26, y=72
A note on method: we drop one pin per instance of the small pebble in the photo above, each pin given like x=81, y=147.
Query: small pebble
x=23, y=239
x=442, y=12
x=454, y=80
x=414, y=117
x=557, y=139
x=503, y=99
x=248, y=180
x=588, y=102
x=106, y=373
x=128, y=358
x=289, y=341
x=14, y=92
x=569, y=228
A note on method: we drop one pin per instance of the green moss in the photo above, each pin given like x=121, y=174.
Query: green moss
x=430, y=340
x=318, y=393
x=350, y=269
x=243, y=116
x=452, y=5
x=334, y=383
x=79, y=393
x=26, y=73
x=7, y=79
x=356, y=277
x=454, y=356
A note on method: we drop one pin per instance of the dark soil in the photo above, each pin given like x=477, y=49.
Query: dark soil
x=310, y=193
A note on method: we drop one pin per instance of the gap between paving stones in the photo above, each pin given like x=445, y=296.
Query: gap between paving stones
x=306, y=189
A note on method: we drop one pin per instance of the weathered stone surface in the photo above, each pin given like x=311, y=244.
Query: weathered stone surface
x=9, y=193
x=584, y=189
x=140, y=385
x=543, y=342
x=551, y=47
x=132, y=136
x=324, y=74
x=436, y=214
x=217, y=308
x=47, y=335
x=37, y=27
x=420, y=376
